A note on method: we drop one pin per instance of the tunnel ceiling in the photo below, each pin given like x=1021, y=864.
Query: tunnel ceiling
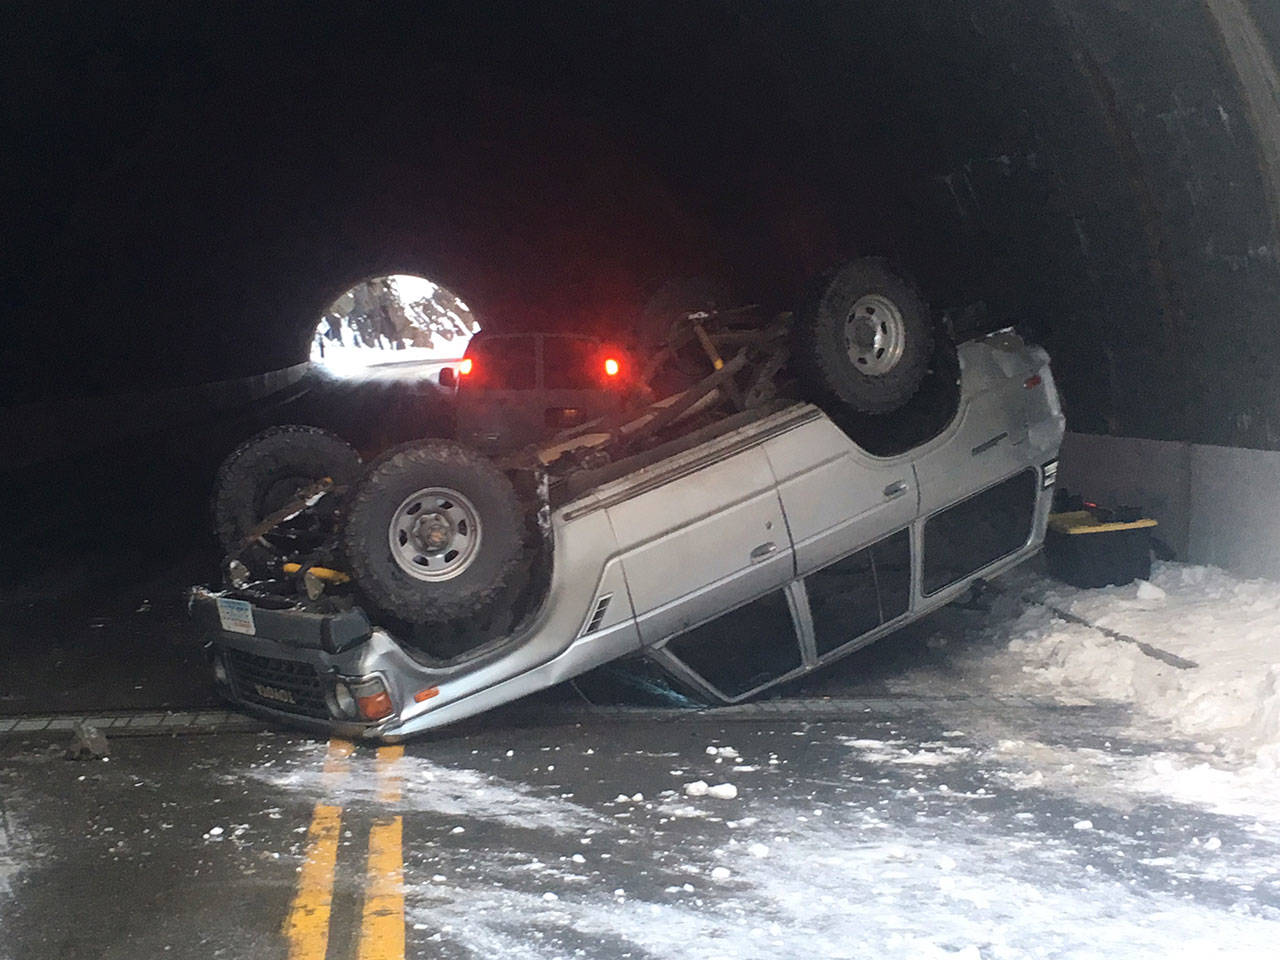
x=193, y=187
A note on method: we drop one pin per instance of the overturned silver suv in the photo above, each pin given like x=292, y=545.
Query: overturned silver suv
x=798, y=487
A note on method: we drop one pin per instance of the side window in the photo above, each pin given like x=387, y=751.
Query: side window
x=503, y=363
x=964, y=538
x=569, y=363
x=744, y=648
x=859, y=592
x=843, y=601
x=892, y=557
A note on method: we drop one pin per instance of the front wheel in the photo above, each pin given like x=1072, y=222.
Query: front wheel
x=434, y=532
x=864, y=338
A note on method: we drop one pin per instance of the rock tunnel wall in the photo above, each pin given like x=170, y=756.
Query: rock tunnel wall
x=191, y=191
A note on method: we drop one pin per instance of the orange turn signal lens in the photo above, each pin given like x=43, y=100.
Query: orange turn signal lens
x=426, y=694
x=464, y=367
x=612, y=367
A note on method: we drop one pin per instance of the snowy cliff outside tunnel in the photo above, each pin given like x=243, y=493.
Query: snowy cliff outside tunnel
x=399, y=325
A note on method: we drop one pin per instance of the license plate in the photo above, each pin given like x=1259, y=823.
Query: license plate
x=236, y=616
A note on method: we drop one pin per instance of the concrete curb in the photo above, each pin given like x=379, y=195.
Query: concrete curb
x=133, y=723
x=149, y=723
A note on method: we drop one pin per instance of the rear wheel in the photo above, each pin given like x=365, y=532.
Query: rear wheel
x=864, y=338
x=434, y=532
x=268, y=470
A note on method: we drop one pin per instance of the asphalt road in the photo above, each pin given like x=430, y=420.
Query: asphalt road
x=871, y=827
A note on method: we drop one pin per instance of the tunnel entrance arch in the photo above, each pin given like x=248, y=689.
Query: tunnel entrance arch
x=392, y=325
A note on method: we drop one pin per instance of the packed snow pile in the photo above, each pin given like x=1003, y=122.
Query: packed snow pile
x=1230, y=628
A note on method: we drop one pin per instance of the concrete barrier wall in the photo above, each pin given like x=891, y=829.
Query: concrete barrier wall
x=1216, y=505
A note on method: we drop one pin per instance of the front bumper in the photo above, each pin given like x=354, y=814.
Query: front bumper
x=288, y=669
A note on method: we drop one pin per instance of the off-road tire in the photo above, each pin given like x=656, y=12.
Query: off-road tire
x=262, y=474
x=396, y=477
x=823, y=351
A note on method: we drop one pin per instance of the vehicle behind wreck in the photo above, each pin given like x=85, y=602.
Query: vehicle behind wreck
x=734, y=554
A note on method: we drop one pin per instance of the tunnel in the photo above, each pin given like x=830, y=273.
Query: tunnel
x=987, y=760
x=188, y=191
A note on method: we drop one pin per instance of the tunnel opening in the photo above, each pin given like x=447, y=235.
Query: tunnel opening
x=397, y=326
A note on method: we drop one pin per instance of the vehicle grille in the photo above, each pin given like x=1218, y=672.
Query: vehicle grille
x=288, y=685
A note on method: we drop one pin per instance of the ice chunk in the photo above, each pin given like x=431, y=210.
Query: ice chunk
x=1149, y=591
x=696, y=789
x=723, y=791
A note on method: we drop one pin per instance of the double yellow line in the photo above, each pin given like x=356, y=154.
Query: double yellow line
x=382, y=919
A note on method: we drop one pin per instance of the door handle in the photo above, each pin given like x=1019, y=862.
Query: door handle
x=895, y=489
x=763, y=551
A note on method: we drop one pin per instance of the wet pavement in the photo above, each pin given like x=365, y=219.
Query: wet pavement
x=861, y=827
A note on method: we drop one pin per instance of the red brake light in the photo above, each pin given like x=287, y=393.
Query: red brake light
x=1033, y=382
x=611, y=367
x=464, y=367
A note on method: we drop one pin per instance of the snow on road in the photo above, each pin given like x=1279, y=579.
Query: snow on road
x=8, y=856
x=853, y=864
x=1086, y=800
x=428, y=787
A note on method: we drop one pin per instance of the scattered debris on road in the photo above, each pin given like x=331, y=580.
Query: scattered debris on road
x=87, y=743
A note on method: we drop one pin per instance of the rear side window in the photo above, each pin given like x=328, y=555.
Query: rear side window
x=964, y=538
x=855, y=595
x=569, y=363
x=503, y=363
